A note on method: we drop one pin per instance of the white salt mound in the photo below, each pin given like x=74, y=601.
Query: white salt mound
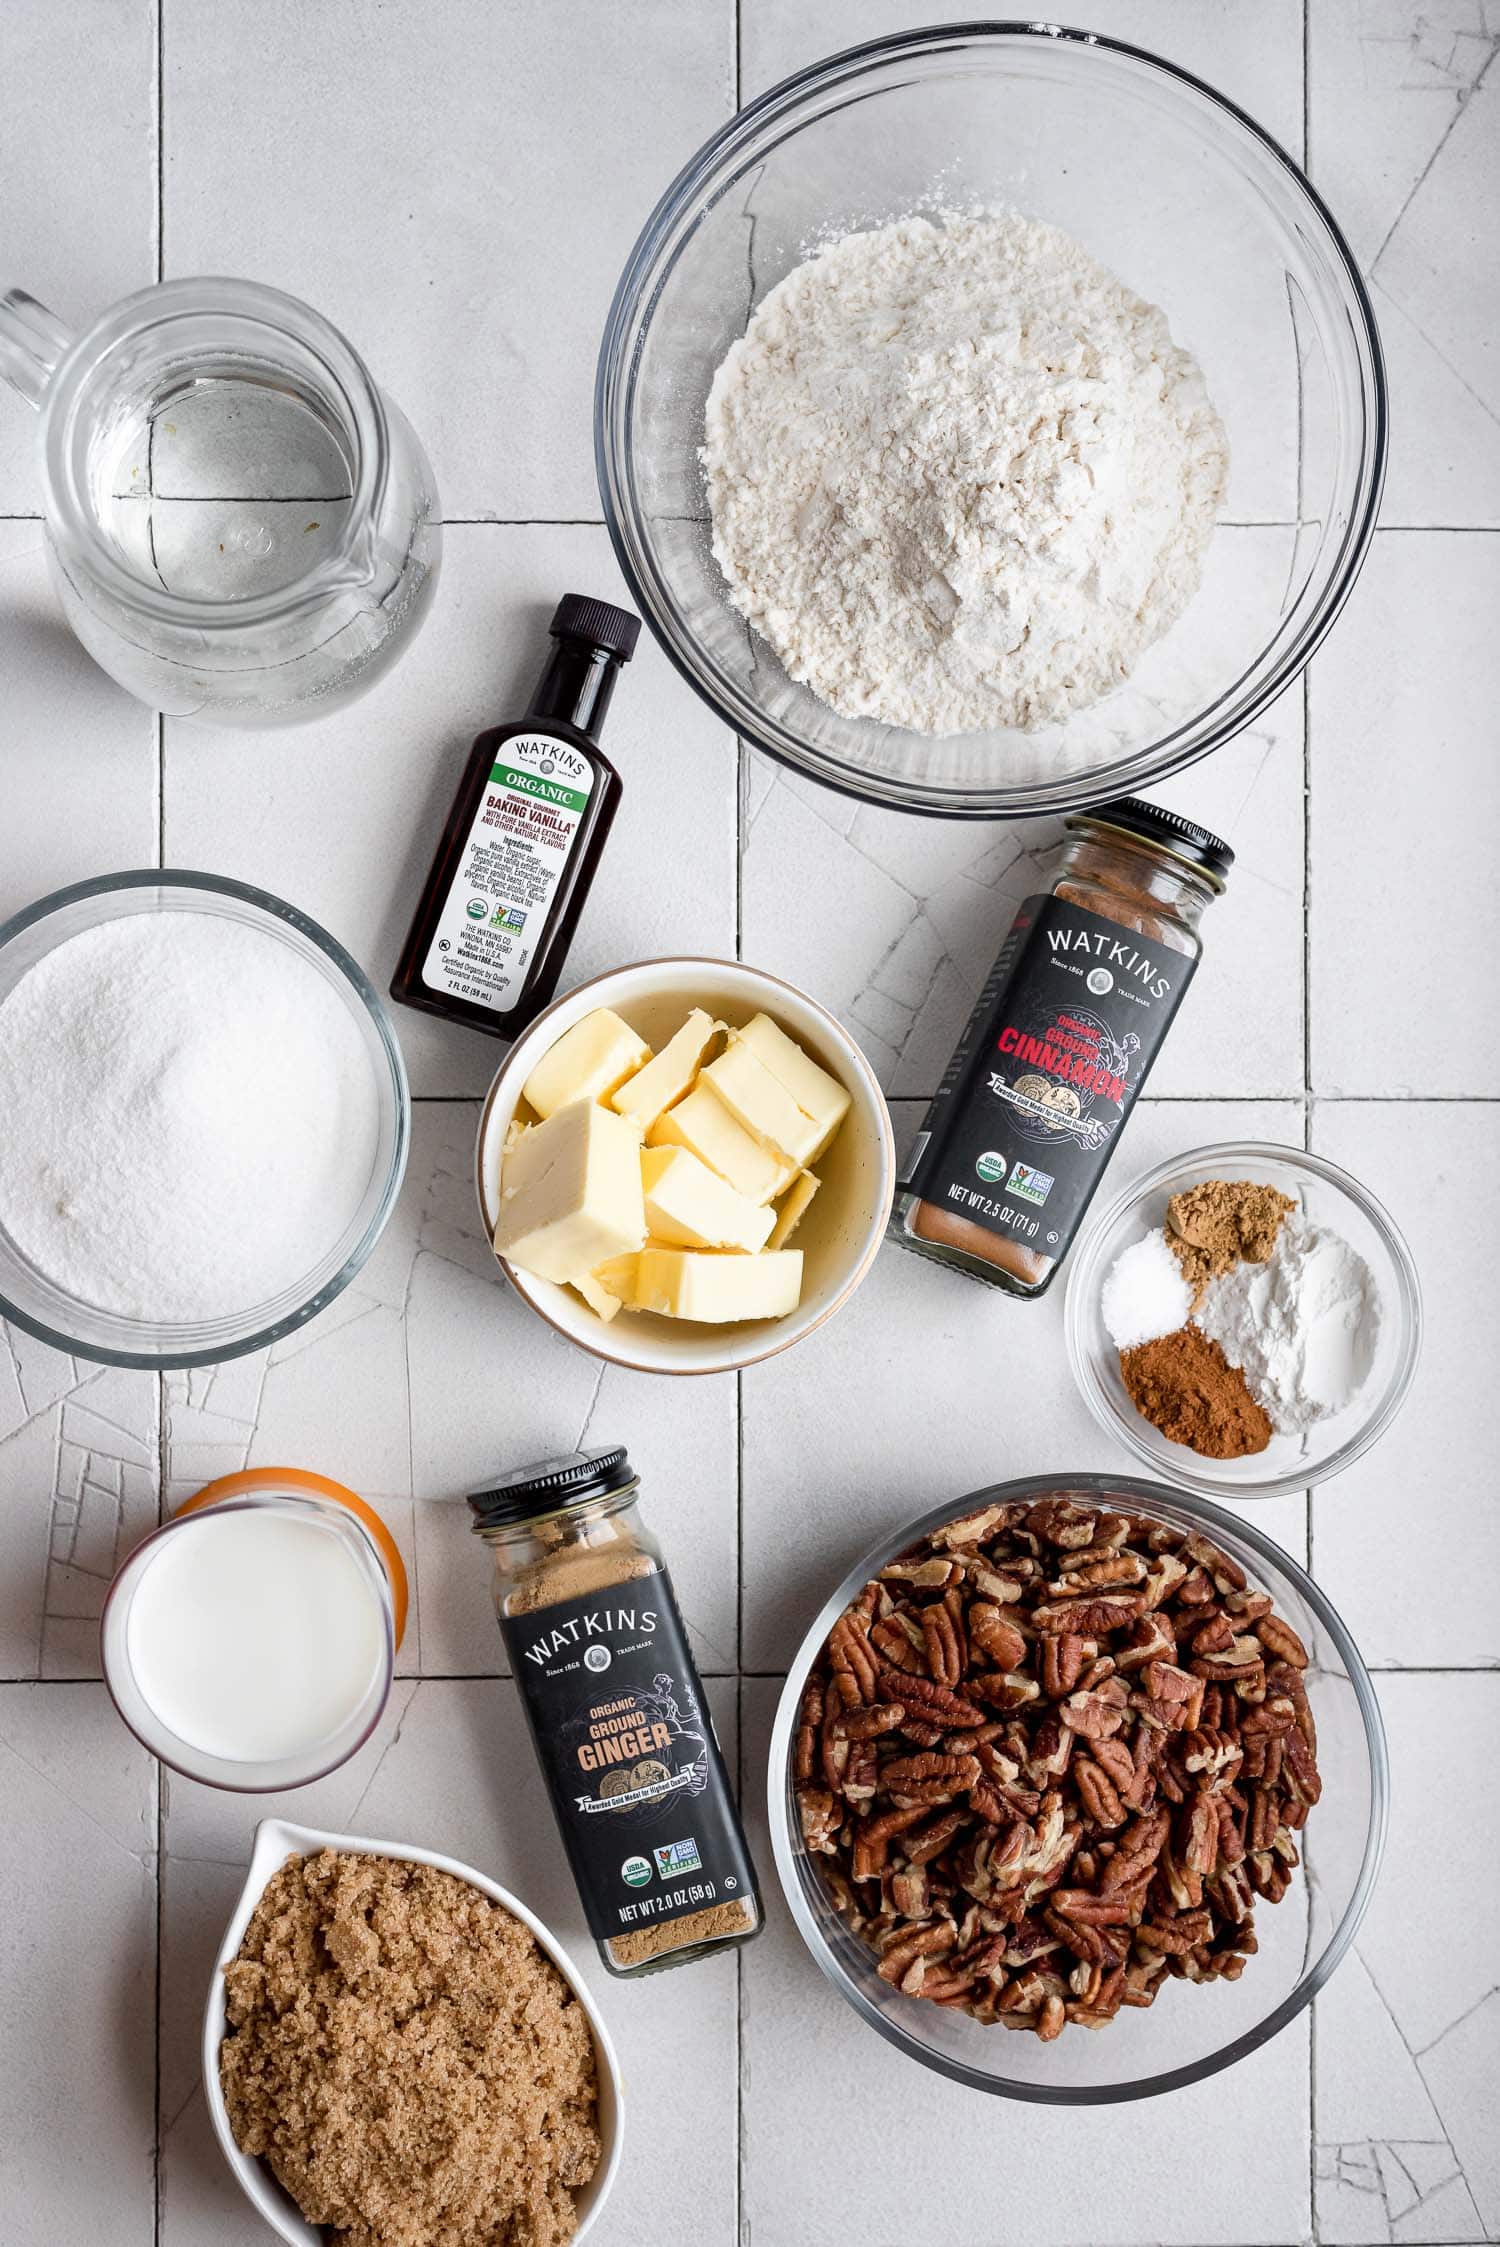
x=191, y=1117
x=1144, y=1294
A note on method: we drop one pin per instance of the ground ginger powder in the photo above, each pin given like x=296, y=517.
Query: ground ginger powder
x=1223, y=1222
x=408, y=2060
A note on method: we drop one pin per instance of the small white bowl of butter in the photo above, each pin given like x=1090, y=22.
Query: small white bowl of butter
x=755, y=1243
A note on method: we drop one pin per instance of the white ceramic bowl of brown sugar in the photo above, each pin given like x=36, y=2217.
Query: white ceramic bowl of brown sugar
x=275, y=1841
x=844, y=1225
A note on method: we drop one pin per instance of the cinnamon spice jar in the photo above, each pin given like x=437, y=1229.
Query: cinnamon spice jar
x=1059, y=1045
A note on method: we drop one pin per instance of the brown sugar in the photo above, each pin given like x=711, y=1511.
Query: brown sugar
x=408, y=2060
x=1185, y=1386
x=1223, y=1222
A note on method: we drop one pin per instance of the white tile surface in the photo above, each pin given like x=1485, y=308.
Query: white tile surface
x=78, y=1957
x=464, y=220
x=1406, y=2039
x=1402, y=704
x=1404, y=144
x=457, y=188
x=77, y=181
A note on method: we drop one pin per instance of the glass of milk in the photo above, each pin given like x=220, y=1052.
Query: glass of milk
x=250, y=1642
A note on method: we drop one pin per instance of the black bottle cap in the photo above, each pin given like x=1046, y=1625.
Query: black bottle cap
x=551, y=1486
x=577, y=617
x=1167, y=829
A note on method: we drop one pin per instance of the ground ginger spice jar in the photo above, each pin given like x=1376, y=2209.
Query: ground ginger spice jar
x=617, y=1713
x=1056, y=1050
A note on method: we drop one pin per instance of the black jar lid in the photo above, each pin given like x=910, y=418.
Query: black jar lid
x=551, y=1486
x=1209, y=853
x=578, y=616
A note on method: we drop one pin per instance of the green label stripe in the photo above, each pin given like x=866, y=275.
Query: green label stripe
x=546, y=791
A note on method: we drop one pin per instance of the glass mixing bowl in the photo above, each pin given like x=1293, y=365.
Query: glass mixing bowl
x=1192, y=2030
x=1326, y=1195
x=48, y=1311
x=1175, y=191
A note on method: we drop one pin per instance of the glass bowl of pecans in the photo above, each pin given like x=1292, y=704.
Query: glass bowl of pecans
x=1087, y=1760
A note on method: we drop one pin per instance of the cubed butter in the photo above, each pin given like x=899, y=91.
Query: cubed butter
x=670, y=1075
x=703, y=1125
x=687, y=1283
x=599, y=1300
x=817, y=1093
x=761, y=1104
x=791, y=1211
x=570, y=1194
x=690, y=1206
x=616, y=1276
x=588, y=1062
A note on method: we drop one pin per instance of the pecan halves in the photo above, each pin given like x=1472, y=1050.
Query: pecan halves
x=1050, y=1760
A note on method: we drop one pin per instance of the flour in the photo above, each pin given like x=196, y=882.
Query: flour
x=960, y=477
x=1303, y=1326
x=191, y=1117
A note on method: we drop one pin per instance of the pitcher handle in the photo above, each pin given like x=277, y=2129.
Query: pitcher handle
x=32, y=340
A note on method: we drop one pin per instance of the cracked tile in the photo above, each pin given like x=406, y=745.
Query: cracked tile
x=1402, y=105
x=1407, y=2031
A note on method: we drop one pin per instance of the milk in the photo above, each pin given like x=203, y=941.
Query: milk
x=255, y=1635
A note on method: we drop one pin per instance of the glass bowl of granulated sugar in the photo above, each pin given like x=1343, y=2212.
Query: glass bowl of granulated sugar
x=206, y=1119
x=990, y=420
x=1246, y=1319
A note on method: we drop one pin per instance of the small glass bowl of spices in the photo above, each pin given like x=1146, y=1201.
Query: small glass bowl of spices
x=1246, y=1319
x=617, y=1713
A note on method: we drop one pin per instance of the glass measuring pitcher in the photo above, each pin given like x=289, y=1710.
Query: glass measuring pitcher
x=241, y=527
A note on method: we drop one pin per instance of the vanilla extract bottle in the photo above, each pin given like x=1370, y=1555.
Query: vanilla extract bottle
x=523, y=840
x=1058, y=1047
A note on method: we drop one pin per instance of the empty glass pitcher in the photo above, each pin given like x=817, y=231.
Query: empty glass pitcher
x=240, y=526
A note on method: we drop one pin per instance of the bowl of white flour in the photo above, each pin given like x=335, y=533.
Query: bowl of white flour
x=990, y=420
x=206, y=1119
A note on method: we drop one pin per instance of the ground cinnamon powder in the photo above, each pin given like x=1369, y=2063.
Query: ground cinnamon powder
x=1185, y=1386
x=407, y=2058
x=1221, y=1223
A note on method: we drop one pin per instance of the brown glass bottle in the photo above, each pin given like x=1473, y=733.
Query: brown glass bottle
x=523, y=840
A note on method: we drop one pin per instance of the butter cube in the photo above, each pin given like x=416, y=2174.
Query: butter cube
x=685, y=1283
x=793, y=1209
x=670, y=1075
x=616, y=1276
x=570, y=1194
x=587, y=1062
x=705, y=1127
x=599, y=1300
x=690, y=1206
x=761, y=1104
x=817, y=1093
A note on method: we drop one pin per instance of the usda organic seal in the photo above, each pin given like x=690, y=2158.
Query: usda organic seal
x=635, y=1872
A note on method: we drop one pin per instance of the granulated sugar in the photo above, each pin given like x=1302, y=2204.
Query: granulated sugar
x=190, y=1116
